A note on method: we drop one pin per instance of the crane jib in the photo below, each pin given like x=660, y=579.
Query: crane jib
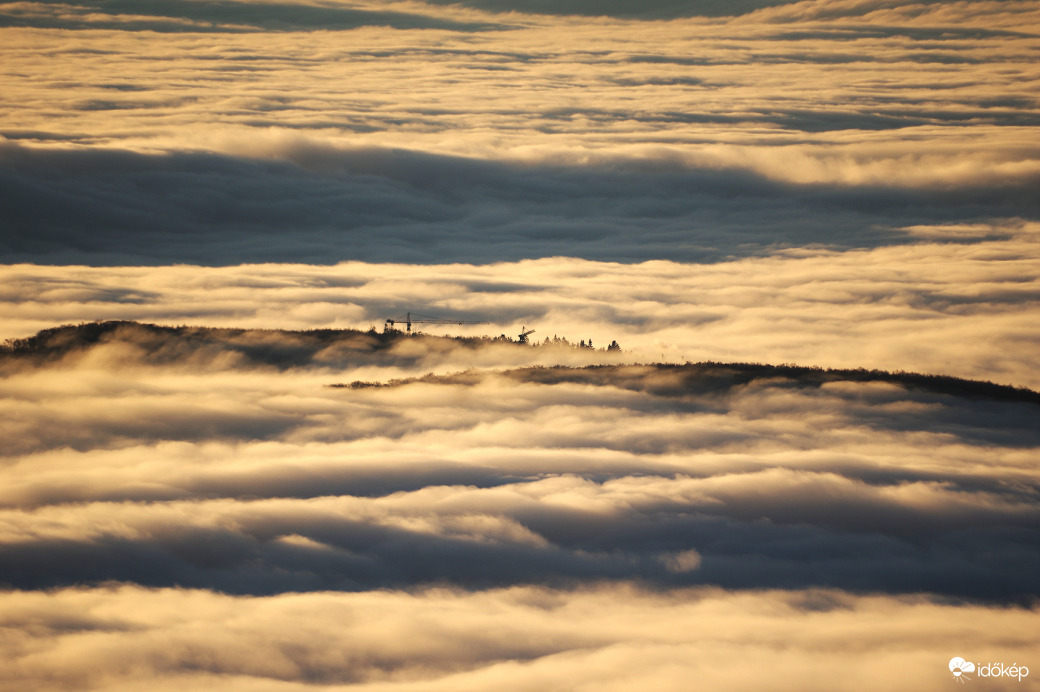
x=425, y=319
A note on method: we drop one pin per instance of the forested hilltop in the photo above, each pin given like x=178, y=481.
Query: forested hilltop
x=153, y=344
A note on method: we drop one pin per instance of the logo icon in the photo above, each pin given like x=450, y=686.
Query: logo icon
x=958, y=666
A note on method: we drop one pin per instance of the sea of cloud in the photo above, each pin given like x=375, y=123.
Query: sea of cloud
x=221, y=133
x=178, y=510
x=515, y=639
x=842, y=183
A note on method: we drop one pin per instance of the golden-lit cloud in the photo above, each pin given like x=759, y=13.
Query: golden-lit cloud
x=519, y=638
x=946, y=304
x=222, y=459
x=204, y=499
x=853, y=92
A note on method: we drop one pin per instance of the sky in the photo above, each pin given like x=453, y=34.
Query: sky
x=846, y=188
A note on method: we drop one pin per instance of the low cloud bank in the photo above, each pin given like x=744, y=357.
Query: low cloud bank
x=90, y=206
x=516, y=639
x=220, y=16
x=478, y=137
x=197, y=458
x=962, y=301
x=848, y=183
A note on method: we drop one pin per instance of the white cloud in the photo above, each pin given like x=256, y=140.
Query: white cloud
x=848, y=183
x=513, y=639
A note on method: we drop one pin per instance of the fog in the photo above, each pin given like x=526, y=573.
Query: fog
x=181, y=458
x=512, y=639
x=808, y=232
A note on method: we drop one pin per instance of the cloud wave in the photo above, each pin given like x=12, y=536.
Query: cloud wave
x=847, y=184
x=146, y=455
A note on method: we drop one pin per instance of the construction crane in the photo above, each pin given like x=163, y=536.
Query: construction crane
x=524, y=333
x=423, y=319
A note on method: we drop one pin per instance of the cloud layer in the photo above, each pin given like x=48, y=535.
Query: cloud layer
x=424, y=133
x=842, y=183
x=516, y=639
x=197, y=508
x=173, y=458
x=844, y=91
x=960, y=299
x=111, y=207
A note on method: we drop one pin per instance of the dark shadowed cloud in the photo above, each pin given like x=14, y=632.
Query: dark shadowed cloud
x=219, y=16
x=652, y=9
x=109, y=207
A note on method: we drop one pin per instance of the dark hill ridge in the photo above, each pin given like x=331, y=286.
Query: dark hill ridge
x=277, y=348
x=284, y=349
x=669, y=379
